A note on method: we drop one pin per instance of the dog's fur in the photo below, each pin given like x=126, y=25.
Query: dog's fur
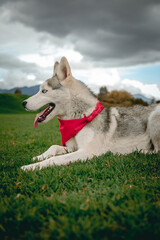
x=116, y=129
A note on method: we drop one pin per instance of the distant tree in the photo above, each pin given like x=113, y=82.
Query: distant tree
x=103, y=90
x=103, y=93
x=17, y=91
x=119, y=97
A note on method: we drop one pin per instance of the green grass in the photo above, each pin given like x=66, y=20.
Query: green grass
x=12, y=103
x=110, y=197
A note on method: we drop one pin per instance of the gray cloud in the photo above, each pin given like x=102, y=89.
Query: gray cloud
x=112, y=33
x=15, y=72
x=9, y=62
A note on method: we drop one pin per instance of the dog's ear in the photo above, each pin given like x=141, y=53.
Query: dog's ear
x=63, y=69
x=55, y=68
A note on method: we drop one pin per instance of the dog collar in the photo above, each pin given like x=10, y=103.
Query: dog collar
x=71, y=127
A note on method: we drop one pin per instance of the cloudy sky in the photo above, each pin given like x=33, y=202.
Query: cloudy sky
x=107, y=42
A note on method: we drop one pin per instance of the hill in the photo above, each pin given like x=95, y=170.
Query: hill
x=25, y=90
x=12, y=103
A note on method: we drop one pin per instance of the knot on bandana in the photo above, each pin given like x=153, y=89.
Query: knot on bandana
x=71, y=127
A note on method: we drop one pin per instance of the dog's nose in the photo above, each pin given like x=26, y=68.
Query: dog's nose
x=24, y=103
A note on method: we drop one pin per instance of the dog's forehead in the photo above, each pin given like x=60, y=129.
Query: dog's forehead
x=44, y=84
x=52, y=83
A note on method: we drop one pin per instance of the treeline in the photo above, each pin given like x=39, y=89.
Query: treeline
x=118, y=98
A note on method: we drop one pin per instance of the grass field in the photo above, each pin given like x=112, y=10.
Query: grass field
x=110, y=197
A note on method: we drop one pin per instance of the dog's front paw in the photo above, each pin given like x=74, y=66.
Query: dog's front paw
x=29, y=167
x=38, y=158
x=34, y=159
x=25, y=168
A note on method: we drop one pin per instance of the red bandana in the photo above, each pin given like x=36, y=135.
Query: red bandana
x=70, y=128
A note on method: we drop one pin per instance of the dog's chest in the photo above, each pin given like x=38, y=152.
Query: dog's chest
x=85, y=136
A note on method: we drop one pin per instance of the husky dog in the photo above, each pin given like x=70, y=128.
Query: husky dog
x=116, y=129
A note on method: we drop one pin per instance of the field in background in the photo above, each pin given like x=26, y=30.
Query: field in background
x=110, y=197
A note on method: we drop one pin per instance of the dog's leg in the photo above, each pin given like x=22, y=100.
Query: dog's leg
x=52, y=151
x=60, y=160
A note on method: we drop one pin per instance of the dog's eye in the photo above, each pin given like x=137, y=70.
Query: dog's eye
x=44, y=91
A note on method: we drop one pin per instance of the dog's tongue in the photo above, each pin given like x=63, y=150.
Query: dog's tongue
x=38, y=115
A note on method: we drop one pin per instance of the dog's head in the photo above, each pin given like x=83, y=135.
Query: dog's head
x=54, y=94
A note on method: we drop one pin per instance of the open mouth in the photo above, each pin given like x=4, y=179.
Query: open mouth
x=43, y=114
